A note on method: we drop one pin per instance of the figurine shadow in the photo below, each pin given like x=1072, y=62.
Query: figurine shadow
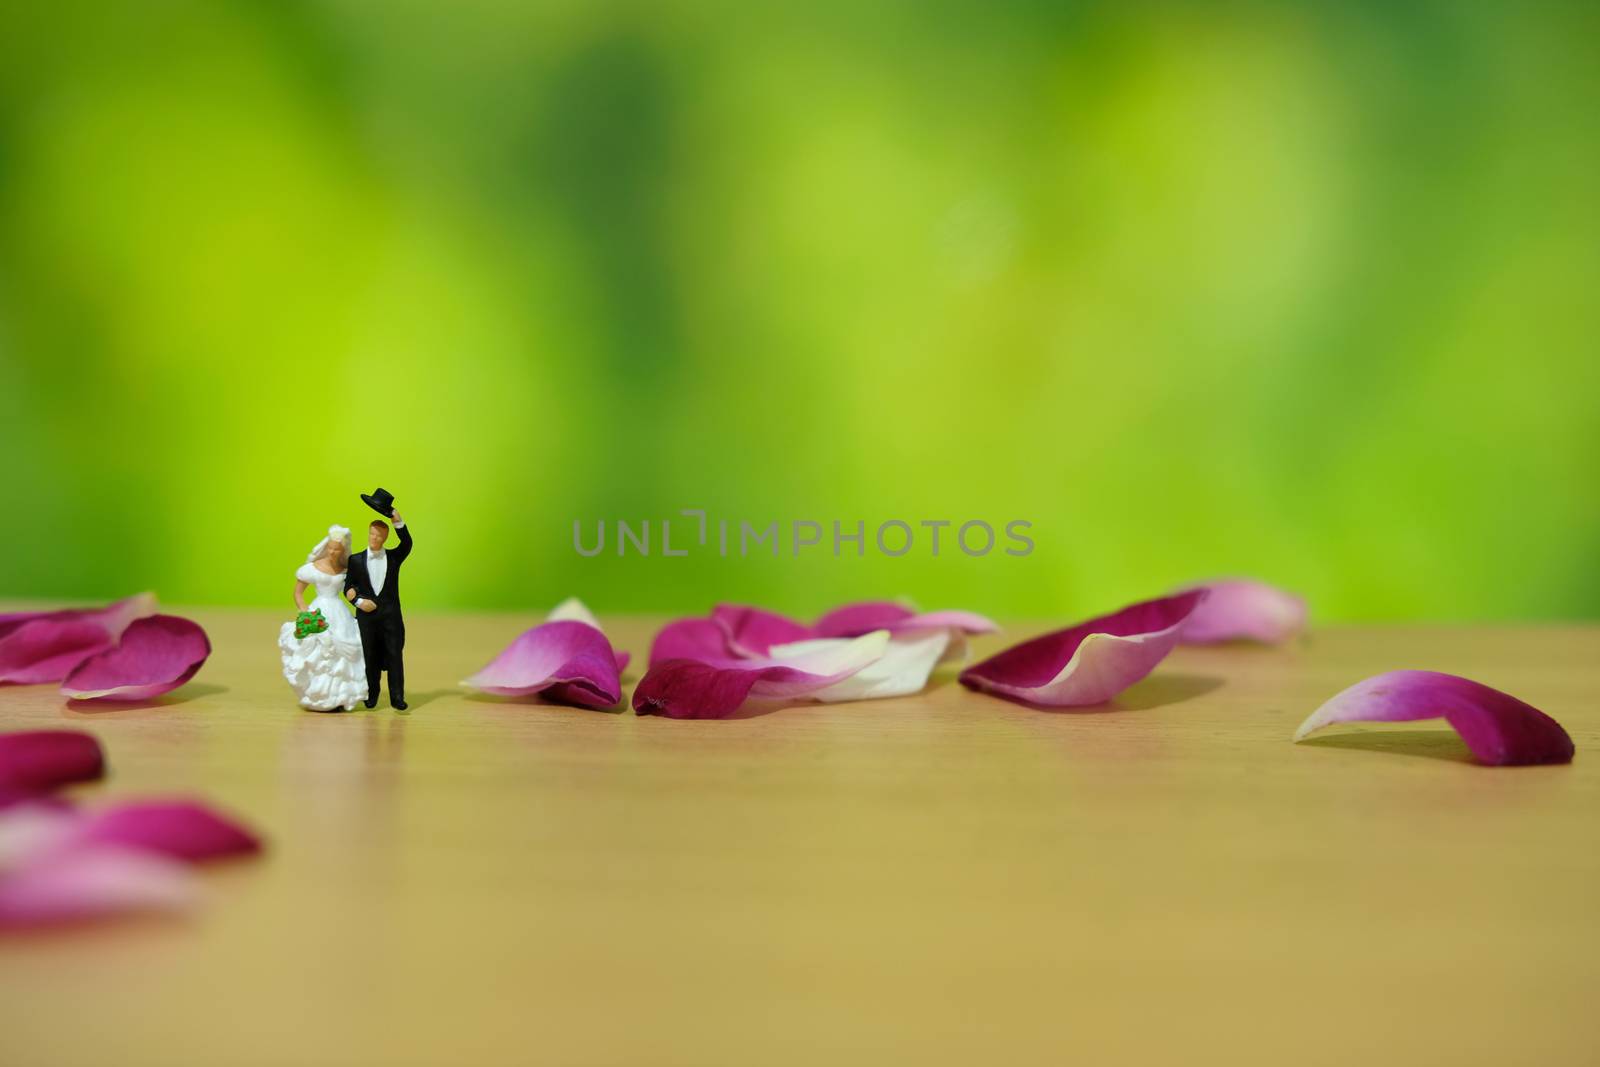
x=182, y=695
x=426, y=697
x=1430, y=744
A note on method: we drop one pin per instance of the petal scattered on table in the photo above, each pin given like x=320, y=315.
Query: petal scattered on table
x=38, y=647
x=1499, y=729
x=156, y=655
x=41, y=760
x=1088, y=663
x=716, y=688
x=1238, y=609
x=566, y=661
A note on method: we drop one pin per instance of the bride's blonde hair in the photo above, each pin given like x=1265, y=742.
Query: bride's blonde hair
x=336, y=544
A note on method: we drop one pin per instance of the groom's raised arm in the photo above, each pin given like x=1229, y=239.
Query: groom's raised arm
x=403, y=549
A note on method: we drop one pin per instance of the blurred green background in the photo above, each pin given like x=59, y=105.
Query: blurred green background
x=1300, y=291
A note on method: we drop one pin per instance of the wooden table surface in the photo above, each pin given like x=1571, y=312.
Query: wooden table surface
x=947, y=878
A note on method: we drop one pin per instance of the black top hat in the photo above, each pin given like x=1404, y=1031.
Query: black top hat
x=381, y=501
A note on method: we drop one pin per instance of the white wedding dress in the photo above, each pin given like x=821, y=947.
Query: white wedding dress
x=327, y=669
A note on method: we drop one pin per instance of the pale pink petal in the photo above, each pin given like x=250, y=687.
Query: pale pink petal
x=716, y=688
x=1499, y=729
x=1243, y=609
x=565, y=661
x=39, y=760
x=86, y=883
x=901, y=670
x=40, y=647
x=1088, y=663
x=156, y=655
x=31, y=829
x=753, y=631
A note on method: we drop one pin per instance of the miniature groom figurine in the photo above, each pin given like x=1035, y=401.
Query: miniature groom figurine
x=372, y=584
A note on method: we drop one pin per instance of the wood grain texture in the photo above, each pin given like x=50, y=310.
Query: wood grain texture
x=941, y=879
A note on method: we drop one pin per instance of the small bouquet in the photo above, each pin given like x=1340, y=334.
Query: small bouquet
x=309, y=622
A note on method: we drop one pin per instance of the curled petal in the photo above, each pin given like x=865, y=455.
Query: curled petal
x=574, y=610
x=564, y=661
x=156, y=655
x=45, y=646
x=715, y=688
x=752, y=632
x=39, y=760
x=1499, y=729
x=1242, y=609
x=902, y=669
x=84, y=883
x=181, y=829
x=1088, y=663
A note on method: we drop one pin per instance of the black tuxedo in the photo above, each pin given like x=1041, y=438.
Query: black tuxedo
x=383, y=630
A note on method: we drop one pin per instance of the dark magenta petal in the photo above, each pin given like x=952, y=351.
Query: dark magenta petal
x=84, y=883
x=1499, y=729
x=690, y=689
x=156, y=655
x=566, y=661
x=1088, y=663
x=12, y=797
x=40, y=647
x=181, y=829
x=699, y=639
x=1240, y=609
x=753, y=631
x=39, y=760
x=714, y=689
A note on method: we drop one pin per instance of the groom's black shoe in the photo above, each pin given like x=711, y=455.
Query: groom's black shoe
x=398, y=705
x=371, y=702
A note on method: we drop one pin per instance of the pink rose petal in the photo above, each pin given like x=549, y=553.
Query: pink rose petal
x=739, y=631
x=85, y=883
x=716, y=688
x=753, y=631
x=181, y=829
x=39, y=760
x=700, y=639
x=1088, y=663
x=1242, y=609
x=156, y=655
x=852, y=620
x=1499, y=729
x=573, y=610
x=565, y=661
x=45, y=646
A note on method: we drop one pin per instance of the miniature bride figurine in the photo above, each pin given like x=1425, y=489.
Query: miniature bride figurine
x=322, y=655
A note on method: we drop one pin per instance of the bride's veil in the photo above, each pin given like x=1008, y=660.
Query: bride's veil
x=335, y=533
